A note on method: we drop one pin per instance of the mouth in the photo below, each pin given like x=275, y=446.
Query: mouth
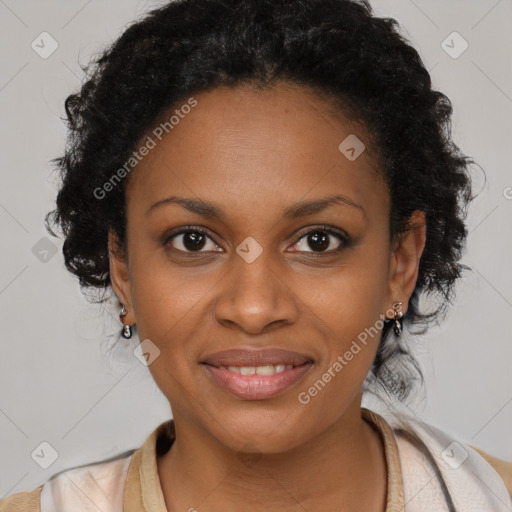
x=267, y=369
x=256, y=374
x=255, y=358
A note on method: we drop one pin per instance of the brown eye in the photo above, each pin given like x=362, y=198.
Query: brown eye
x=191, y=241
x=320, y=241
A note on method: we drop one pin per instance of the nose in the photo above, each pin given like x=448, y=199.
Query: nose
x=255, y=298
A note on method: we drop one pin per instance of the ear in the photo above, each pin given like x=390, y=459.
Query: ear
x=405, y=259
x=120, y=276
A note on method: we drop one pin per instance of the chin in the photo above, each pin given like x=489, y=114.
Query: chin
x=261, y=431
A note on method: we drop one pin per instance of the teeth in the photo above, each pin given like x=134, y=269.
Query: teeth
x=268, y=369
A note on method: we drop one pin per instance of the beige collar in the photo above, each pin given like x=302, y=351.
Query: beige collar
x=144, y=492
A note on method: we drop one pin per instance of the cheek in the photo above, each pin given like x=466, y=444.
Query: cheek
x=167, y=314
x=349, y=312
x=165, y=295
x=163, y=320
x=351, y=299
x=350, y=319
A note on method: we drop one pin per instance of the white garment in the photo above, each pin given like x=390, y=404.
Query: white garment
x=91, y=488
x=474, y=485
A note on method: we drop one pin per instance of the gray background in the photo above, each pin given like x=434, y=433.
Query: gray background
x=57, y=384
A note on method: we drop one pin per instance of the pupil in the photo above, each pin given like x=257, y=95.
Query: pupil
x=193, y=241
x=318, y=240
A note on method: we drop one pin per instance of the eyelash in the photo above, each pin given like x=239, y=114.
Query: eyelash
x=343, y=238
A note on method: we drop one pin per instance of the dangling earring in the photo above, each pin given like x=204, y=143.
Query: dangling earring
x=397, y=307
x=127, y=329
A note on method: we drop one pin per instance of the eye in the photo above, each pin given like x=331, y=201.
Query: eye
x=322, y=240
x=191, y=240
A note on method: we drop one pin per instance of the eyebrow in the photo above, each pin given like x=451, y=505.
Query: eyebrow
x=297, y=210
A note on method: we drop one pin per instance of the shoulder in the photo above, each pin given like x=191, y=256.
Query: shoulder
x=22, y=501
x=502, y=467
x=455, y=452
x=475, y=482
x=437, y=466
x=101, y=483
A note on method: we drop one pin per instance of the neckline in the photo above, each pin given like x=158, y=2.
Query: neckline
x=143, y=490
x=395, y=490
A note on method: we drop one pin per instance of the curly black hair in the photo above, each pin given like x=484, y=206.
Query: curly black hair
x=361, y=63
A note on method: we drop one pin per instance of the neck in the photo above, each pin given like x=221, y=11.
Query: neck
x=343, y=467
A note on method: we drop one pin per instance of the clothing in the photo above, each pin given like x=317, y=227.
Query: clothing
x=130, y=483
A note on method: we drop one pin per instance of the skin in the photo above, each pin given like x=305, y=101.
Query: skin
x=253, y=153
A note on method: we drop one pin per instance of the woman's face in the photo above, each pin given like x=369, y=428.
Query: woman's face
x=266, y=273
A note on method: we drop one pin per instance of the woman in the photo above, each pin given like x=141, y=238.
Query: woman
x=268, y=187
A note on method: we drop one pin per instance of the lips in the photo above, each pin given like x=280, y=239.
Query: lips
x=256, y=357
x=257, y=387
x=257, y=373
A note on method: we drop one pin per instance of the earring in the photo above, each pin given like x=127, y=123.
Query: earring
x=397, y=307
x=127, y=329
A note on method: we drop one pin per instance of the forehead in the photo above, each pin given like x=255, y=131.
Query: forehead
x=250, y=147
